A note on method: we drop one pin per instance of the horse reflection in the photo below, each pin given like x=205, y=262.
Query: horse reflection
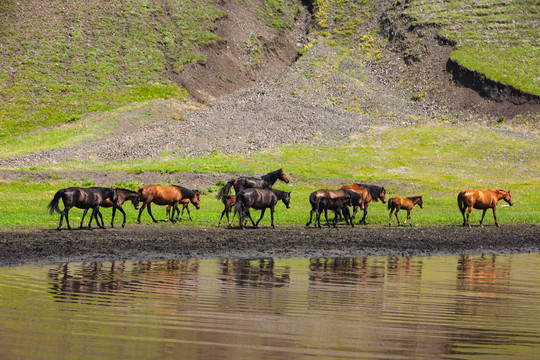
x=92, y=278
x=253, y=272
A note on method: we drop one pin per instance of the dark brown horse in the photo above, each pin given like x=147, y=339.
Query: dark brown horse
x=260, y=199
x=185, y=206
x=314, y=197
x=398, y=203
x=368, y=192
x=82, y=198
x=228, y=202
x=123, y=196
x=481, y=200
x=339, y=204
x=164, y=195
x=243, y=182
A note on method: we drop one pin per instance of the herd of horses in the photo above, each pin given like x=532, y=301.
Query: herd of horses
x=258, y=194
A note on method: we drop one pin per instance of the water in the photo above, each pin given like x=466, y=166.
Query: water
x=449, y=307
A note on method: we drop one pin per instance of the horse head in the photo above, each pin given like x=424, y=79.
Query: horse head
x=196, y=199
x=287, y=200
x=382, y=195
x=421, y=203
x=507, y=196
x=282, y=176
x=135, y=201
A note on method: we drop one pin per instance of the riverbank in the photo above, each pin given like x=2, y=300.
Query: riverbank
x=34, y=246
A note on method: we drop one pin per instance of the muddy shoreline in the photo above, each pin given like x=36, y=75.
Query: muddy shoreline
x=35, y=246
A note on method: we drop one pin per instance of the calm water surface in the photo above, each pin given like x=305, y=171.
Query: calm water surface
x=455, y=307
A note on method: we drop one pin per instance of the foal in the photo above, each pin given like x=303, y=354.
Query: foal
x=228, y=201
x=398, y=203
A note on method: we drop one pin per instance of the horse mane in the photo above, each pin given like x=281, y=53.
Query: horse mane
x=374, y=190
x=272, y=176
x=127, y=190
x=186, y=191
x=413, y=198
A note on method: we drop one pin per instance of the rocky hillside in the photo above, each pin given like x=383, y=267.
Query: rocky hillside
x=273, y=72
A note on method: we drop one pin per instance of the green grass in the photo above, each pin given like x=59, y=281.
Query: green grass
x=500, y=39
x=86, y=57
x=435, y=161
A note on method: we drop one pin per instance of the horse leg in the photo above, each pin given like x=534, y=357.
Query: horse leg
x=355, y=210
x=98, y=213
x=140, y=212
x=468, y=214
x=223, y=213
x=150, y=212
x=495, y=216
x=482, y=219
x=390, y=217
x=250, y=218
x=189, y=214
x=318, y=218
x=123, y=213
x=409, y=217
x=262, y=214
x=63, y=214
x=82, y=219
x=336, y=216
x=363, y=220
x=272, y=217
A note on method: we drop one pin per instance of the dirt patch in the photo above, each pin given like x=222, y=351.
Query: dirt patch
x=159, y=242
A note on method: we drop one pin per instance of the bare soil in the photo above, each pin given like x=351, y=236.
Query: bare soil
x=158, y=242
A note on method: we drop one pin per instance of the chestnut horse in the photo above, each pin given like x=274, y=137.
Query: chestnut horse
x=185, y=206
x=398, y=203
x=123, y=196
x=82, y=198
x=260, y=199
x=228, y=201
x=368, y=192
x=165, y=195
x=481, y=200
x=243, y=182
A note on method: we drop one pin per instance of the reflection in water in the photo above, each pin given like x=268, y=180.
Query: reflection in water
x=470, y=306
x=253, y=272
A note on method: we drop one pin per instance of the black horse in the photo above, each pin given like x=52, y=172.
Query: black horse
x=260, y=199
x=82, y=198
x=123, y=196
x=244, y=182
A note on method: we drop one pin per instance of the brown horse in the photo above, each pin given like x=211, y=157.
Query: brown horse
x=368, y=192
x=398, y=203
x=185, y=206
x=243, y=182
x=165, y=195
x=228, y=201
x=481, y=200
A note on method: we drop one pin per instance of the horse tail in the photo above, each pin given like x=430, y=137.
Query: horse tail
x=238, y=204
x=390, y=201
x=53, y=205
x=225, y=189
x=460, y=202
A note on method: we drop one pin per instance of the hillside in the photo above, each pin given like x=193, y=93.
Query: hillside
x=127, y=80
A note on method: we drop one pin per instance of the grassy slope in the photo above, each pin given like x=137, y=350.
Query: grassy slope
x=498, y=38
